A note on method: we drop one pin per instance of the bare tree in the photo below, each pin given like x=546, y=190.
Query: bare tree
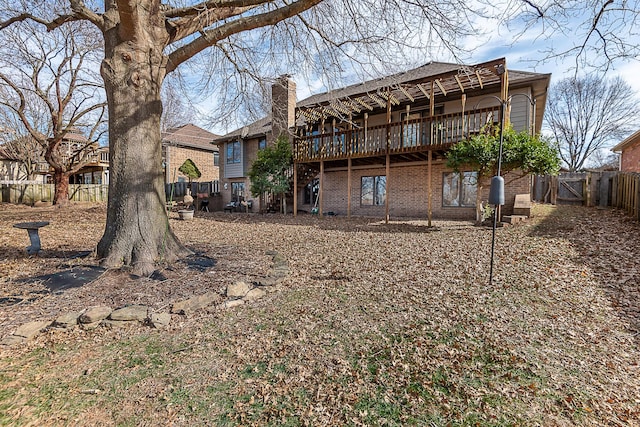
x=27, y=154
x=176, y=108
x=595, y=34
x=20, y=148
x=246, y=40
x=605, y=160
x=49, y=85
x=589, y=113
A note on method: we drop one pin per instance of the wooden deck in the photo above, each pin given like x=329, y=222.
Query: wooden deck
x=394, y=138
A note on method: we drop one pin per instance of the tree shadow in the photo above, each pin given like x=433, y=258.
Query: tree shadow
x=74, y=277
x=607, y=243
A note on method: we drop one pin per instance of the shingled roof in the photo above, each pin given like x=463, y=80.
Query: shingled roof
x=438, y=79
x=191, y=136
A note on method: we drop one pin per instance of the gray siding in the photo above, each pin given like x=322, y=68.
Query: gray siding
x=234, y=170
x=521, y=112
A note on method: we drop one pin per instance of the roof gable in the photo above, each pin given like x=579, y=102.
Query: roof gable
x=629, y=141
x=192, y=136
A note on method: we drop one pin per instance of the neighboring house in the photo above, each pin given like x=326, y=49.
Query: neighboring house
x=378, y=148
x=629, y=150
x=189, y=142
x=240, y=147
x=23, y=160
x=95, y=169
x=13, y=168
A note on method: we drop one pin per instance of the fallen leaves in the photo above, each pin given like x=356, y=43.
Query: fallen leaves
x=374, y=324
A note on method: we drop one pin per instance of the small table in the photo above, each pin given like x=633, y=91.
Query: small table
x=32, y=228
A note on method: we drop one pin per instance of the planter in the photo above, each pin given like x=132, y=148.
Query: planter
x=185, y=214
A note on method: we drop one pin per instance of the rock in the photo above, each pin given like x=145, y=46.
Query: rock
x=12, y=340
x=95, y=314
x=234, y=303
x=31, y=329
x=129, y=313
x=90, y=326
x=229, y=304
x=237, y=290
x=160, y=320
x=254, y=294
x=194, y=303
x=278, y=259
x=67, y=320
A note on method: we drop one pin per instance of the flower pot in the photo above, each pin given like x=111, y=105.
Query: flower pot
x=185, y=214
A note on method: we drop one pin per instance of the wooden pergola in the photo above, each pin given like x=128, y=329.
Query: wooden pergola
x=385, y=94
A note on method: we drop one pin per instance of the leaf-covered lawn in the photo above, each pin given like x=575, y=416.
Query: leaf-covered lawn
x=375, y=325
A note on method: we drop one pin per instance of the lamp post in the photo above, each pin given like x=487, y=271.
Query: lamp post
x=496, y=190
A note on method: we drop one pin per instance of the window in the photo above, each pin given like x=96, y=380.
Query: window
x=373, y=190
x=262, y=143
x=216, y=158
x=237, y=191
x=459, y=189
x=233, y=152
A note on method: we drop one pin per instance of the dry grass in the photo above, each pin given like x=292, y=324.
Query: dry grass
x=376, y=325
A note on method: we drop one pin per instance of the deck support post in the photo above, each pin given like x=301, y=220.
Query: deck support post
x=295, y=189
x=386, y=198
x=321, y=189
x=349, y=187
x=429, y=189
x=365, y=144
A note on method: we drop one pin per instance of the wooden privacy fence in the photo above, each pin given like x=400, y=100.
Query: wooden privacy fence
x=625, y=193
x=179, y=189
x=31, y=193
x=605, y=189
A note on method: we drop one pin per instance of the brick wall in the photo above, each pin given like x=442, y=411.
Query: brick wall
x=175, y=157
x=407, y=190
x=630, y=161
x=283, y=105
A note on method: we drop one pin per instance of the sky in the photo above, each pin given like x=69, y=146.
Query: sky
x=525, y=54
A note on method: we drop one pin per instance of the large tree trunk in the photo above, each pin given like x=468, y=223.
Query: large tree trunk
x=137, y=231
x=61, y=188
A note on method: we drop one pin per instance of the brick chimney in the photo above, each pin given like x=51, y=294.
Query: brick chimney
x=283, y=106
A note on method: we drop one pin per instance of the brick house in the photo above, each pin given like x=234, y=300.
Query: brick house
x=629, y=150
x=378, y=148
x=189, y=142
x=240, y=147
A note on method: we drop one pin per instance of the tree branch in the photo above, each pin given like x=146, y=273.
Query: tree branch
x=211, y=37
x=80, y=12
x=129, y=28
x=186, y=26
x=211, y=4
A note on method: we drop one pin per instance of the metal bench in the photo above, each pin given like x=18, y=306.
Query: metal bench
x=32, y=228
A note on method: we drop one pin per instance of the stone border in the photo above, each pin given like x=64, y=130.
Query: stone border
x=237, y=294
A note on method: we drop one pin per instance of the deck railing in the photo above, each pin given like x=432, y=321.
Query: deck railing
x=397, y=137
